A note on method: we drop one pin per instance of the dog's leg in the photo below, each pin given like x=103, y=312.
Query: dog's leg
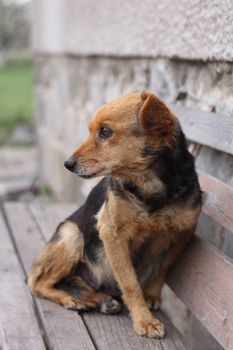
x=56, y=261
x=51, y=274
x=153, y=293
x=118, y=253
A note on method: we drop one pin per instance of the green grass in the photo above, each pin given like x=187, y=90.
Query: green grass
x=16, y=96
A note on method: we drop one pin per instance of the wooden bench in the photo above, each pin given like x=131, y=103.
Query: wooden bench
x=202, y=277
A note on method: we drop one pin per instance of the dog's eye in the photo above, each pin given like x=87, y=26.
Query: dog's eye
x=105, y=132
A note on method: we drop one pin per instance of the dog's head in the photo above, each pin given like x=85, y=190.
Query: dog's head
x=120, y=131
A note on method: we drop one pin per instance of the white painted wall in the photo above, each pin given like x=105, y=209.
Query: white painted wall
x=48, y=26
x=197, y=29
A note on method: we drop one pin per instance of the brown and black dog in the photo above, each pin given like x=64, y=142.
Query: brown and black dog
x=135, y=222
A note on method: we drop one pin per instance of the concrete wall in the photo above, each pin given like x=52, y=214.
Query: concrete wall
x=198, y=29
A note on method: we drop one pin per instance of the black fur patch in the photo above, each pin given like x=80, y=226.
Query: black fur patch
x=152, y=202
x=85, y=218
x=146, y=263
x=72, y=286
x=175, y=167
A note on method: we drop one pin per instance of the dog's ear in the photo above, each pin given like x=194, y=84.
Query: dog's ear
x=154, y=115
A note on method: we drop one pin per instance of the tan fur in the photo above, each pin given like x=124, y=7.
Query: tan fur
x=55, y=262
x=59, y=259
x=120, y=223
x=123, y=223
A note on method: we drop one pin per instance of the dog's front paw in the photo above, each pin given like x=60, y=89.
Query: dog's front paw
x=151, y=328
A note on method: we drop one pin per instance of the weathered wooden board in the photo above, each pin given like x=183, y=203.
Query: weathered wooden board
x=19, y=329
x=112, y=331
x=116, y=332
x=210, y=129
x=63, y=329
x=203, y=279
x=219, y=200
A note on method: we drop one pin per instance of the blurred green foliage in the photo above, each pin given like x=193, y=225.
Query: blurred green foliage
x=16, y=94
x=45, y=190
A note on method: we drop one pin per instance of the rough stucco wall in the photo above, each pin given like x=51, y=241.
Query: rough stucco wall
x=198, y=29
x=207, y=86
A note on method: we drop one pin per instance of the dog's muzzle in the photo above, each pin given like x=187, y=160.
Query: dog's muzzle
x=70, y=164
x=77, y=166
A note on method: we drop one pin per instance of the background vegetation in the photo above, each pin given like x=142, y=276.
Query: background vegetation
x=16, y=77
x=16, y=93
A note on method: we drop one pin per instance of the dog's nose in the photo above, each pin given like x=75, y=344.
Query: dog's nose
x=70, y=164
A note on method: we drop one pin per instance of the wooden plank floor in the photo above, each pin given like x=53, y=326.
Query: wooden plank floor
x=34, y=323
